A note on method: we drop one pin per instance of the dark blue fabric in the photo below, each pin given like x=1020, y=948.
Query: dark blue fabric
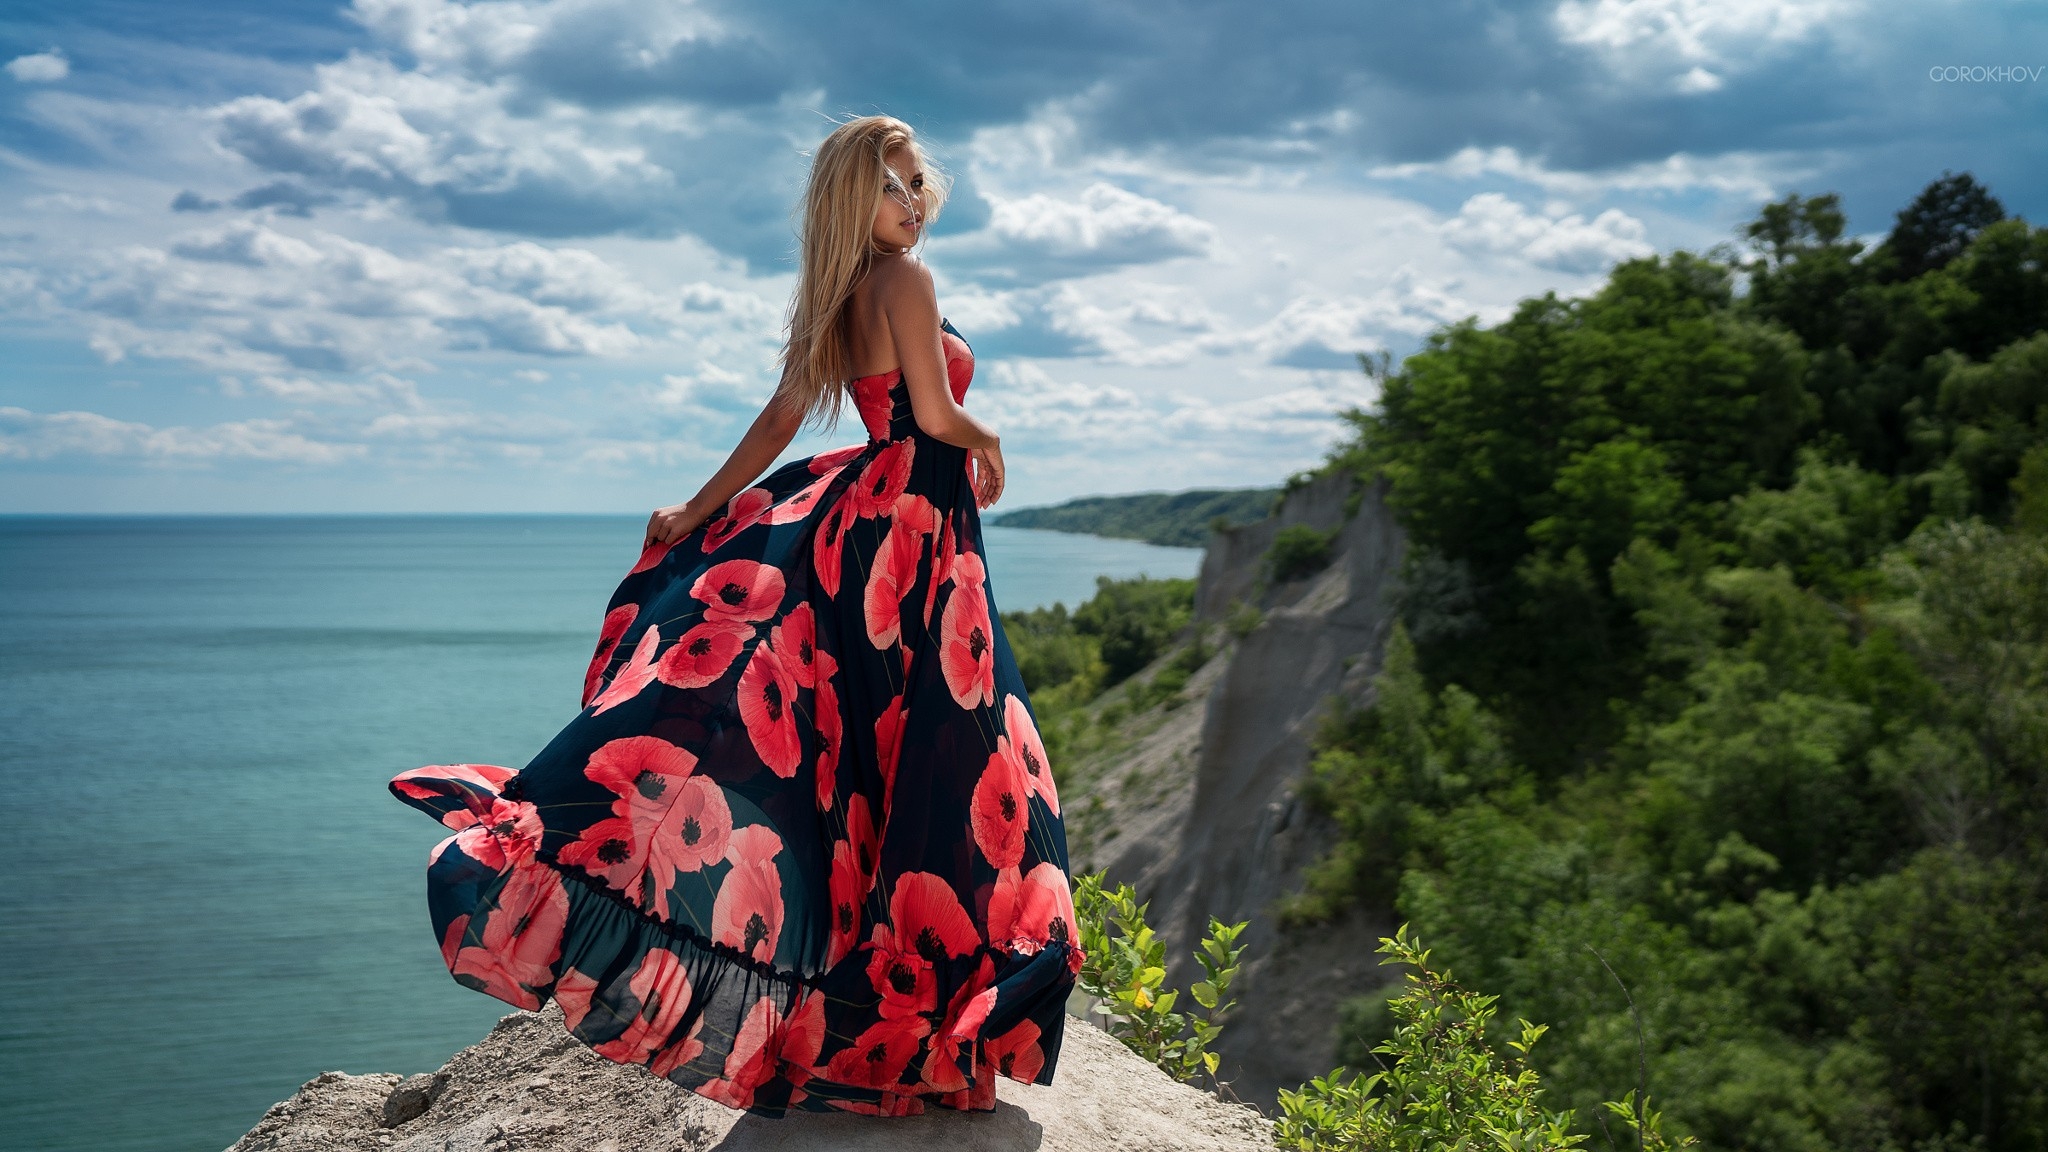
x=802, y=847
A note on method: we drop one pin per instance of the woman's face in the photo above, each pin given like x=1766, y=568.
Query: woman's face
x=900, y=216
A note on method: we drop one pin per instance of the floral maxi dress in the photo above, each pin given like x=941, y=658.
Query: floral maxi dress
x=801, y=848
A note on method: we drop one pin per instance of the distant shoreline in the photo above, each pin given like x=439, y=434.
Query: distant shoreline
x=1169, y=519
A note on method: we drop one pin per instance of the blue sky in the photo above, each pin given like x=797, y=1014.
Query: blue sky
x=534, y=254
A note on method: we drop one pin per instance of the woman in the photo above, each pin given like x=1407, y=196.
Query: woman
x=801, y=848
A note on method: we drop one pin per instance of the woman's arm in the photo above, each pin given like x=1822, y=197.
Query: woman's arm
x=771, y=432
x=910, y=307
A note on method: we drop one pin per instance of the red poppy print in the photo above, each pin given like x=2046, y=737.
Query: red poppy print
x=695, y=829
x=831, y=461
x=660, y=987
x=701, y=655
x=883, y=480
x=1020, y=733
x=953, y=1041
x=959, y=364
x=739, y=590
x=573, y=992
x=907, y=987
x=889, y=742
x=848, y=891
x=635, y=674
x=740, y=511
x=980, y=1095
x=968, y=569
x=825, y=717
x=871, y=400
x=1027, y=912
x=915, y=514
x=891, y=1104
x=765, y=1043
x=457, y=794
x=800, y=504
x=1016, y=1053
x=665, y=819
x=999, y=810
x=803, y=1036
x=616, y=622
x=860, y=833
x=680, y=1053
x=942, y=567
x=507, y=835
x=894, y=572
x=795, y=636
x=747, y=913
x=652, y=555
x=828, y=545
x=967, y=646
x=879, y=1054
x=521, y=939
x=767, y=705
x=926, y=925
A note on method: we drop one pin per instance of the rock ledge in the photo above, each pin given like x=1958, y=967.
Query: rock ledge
x=529, y=1086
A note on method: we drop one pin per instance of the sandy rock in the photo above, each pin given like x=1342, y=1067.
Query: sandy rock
x=414, y=1095
x=530, y=1086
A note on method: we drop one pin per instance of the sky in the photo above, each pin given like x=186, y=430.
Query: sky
x=534, y=255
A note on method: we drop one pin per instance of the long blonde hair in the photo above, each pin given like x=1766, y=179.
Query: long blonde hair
x=847, y=182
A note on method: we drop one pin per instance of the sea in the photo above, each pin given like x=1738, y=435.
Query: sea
x=208, y=896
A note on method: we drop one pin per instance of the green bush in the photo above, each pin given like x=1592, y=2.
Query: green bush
x=1125, y=969
x=1132, y=621
x=1440, y=1083
x=1299, y=550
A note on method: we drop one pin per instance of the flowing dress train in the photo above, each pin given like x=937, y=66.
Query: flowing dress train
x=801, y=848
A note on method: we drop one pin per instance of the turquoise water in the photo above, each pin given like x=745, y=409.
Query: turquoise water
x=209, y=897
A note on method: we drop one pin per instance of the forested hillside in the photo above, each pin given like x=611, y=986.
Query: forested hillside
x=1177, y=519
x=1724, y=663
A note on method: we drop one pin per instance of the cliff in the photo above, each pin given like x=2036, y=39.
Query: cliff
x=530, y=1086
x=1197, y=810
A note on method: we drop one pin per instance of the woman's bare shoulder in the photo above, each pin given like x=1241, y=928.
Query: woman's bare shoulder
x=903, y=278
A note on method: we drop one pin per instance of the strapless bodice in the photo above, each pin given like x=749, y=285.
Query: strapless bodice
x=884, y=398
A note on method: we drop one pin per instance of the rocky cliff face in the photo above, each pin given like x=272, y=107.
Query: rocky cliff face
x=1200, y=814
x=530, y=1086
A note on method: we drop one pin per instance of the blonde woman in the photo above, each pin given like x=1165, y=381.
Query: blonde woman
x=802, y=847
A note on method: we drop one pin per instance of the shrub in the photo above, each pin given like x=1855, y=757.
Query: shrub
x=1445, y=1086
x=1299, y=550
x=1134, y=620
x=1125, y=968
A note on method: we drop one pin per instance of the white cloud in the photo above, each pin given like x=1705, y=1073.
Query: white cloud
x=40, y=68
x=1694, y=42
x=381, y=389
x=1106, y=225
x=1490, y=222
x=469, y=427
x=1742, y=174
x=1020, y=396
x=1043, y=236
x=475, y=147
x=26, y=435
x=710, y=392
x=247, y=297
x=74, y=202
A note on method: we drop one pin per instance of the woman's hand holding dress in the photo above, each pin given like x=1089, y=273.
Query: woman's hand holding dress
x=988, y=474
x=672, y=523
